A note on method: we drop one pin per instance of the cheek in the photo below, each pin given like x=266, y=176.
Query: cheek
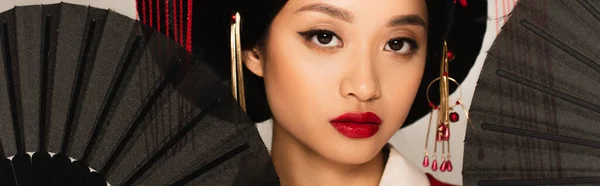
x=296, y=85
x=399, y=89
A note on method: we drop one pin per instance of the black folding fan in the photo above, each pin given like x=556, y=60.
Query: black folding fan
x=89, y=96
x=536, y=106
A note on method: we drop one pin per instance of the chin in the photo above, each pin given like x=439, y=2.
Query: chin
x=350, y=151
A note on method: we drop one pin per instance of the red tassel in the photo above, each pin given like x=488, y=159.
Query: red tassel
x=158, y=15
x=150, y=3
x=175, y=27
x=462, y=2
x=181, y=22
x=144, y=11
x=167, y=17
x=188, y=37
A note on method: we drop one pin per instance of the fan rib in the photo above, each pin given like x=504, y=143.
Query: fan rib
x=109, y=101
x=230, y=154
x=44, y=83
x=78, y=86
x=2, y=155
x=577, y=55
x=60, y=169
x=540, y=135
x=79, y=173
x=544, y=181
x=147, y=106
x=7, y=174
x=590, y=8
x=548, y=90
x=40, y=164
x=18, y=131
x=95, y=179
x=22, y=168
x=172, y=142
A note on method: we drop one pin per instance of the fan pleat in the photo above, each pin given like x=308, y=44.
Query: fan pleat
x=105, y=79
x=11, y=126
x=71, y=26
x=208, y=166
x=536, y=106
x=167, y=146
x=110, y=99
x=137, y=122
x=45, y=55
x=158, y=136
x=28, y=26
x=79, y=89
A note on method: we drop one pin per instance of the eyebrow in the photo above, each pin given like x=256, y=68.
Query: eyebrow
x=407, y=20
x=346, y=16
x=330, y=10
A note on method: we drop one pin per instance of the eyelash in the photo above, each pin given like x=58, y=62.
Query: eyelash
x=308, y=37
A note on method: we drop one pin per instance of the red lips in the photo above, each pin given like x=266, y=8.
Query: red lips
x=357, y=125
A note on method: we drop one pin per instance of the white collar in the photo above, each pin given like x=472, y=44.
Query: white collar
x=400, y=171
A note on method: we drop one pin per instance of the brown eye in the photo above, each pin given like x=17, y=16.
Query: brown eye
x=396, y=45
x=324, y=38
x=400, y=46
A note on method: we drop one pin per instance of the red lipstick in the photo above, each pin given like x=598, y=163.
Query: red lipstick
x=357, y=125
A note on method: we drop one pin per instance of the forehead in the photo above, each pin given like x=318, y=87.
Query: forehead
x=368, y=10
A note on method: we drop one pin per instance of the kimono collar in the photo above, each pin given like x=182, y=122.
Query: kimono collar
x=400, y=171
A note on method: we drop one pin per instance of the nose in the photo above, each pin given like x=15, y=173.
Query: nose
x=360, y=80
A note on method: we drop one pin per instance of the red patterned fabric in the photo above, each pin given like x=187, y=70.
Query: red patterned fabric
x=435, y=182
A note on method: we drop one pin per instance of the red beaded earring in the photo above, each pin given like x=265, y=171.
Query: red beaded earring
x=445, y=115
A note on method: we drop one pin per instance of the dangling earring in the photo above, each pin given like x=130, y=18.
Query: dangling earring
x=237, y=74
x=445, y=115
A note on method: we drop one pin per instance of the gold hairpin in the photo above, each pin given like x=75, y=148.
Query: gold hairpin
x=237, y=74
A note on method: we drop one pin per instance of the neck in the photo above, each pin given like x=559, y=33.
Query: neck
x=297, y=164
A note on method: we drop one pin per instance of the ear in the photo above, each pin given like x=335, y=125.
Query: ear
x=254, y=61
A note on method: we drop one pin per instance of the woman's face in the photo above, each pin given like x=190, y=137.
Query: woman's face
x=326, y=58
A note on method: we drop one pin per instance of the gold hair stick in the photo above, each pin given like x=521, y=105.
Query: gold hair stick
x=237, y=73
x=444, y=88
x=445, y=115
